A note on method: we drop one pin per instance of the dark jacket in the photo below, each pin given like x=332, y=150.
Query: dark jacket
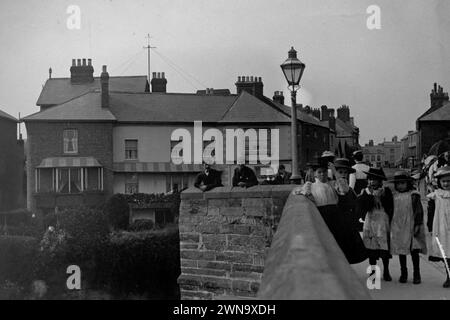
x=279, y=179
x=366, y=203
x=211, y=180
x=245, y=175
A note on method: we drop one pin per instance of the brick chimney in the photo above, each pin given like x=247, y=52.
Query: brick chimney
x=278, y=97
x=159, y=82
x=438, y=97
x=104, y=80
x=80, y=72
x=316, y=113
x=325, y=116
x=252, y=85
x=343, y=113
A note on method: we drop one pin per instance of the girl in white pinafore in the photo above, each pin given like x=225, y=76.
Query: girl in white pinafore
x=441, y=218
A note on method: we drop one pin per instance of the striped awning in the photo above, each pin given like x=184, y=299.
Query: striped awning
x=155, y=167
x=69, y=162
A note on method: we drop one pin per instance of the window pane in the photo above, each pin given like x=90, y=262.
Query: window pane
x=92, y=179
x=75, y=180
x=131, y=149
x=45, y=182
x=70, y=138
x=63, y=180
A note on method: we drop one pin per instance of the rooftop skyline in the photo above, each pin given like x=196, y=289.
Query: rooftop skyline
x=384, y=75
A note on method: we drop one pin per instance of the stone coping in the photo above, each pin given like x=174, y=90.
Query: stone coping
x=304, y=260
x=258, y=191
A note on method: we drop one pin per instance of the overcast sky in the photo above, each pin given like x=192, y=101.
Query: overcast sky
x=384, y=75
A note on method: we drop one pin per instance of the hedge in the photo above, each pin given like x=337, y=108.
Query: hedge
x=142, y=263
x=18, y=255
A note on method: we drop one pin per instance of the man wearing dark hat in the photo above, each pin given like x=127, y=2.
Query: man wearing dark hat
x=376, y=205
x=282, y=176
x=208, y=179
x=244, y=177
x=358, y=179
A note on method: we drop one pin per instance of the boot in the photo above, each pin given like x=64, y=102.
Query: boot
x=386, y=275
x=416, y=264
x=403, y=269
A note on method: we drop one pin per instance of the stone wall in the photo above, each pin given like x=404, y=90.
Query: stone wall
x=225, y=235
x=305, y=262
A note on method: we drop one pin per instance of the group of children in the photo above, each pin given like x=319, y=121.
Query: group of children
x=393, y=219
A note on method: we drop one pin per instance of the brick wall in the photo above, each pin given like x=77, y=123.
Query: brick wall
x=46, y=140
x=432, y=132
x=11, y=166
x=224, y=238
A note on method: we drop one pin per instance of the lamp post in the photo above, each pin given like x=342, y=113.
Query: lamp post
x=293, y=70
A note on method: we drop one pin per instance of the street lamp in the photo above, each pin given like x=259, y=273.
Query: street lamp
x=293, y=71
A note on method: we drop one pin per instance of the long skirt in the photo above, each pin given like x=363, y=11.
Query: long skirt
x=346, y=236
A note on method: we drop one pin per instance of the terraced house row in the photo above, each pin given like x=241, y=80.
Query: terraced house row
x=95, y=136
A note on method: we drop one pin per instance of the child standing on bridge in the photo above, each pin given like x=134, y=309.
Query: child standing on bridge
x=440, y=219
x=407, y=227
x=375, y=206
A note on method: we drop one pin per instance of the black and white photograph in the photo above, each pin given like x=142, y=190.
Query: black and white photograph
x=241, y=151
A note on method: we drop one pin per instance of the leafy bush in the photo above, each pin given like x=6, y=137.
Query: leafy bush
x=80, y=234
x=18, y=255
x=141, y=225
x=142, y=263
x=118, y=211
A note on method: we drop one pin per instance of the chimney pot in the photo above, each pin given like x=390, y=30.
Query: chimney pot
x=251, y=78
x=104, y=69
x=154, y=74
x=163, y=75
x=84, y=62
x=79, y=62
x=89, y=62
x=239, y=79
x=74, y=63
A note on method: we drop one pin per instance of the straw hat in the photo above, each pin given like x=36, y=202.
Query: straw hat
x=343, y=163
x=442, y=172
x=400, y=176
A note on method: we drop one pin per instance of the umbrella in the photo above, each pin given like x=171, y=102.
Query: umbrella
x=440, y=147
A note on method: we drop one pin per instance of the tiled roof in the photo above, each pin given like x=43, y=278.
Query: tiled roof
x=168, y=107
x=60, y=90
x=344, y=128
x=441, y=114
x=4, y=115
x=302, y=116
x=84, y=108
x=248, y=108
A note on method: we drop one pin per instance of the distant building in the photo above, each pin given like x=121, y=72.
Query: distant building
x=12, y=164
x=344, y=135
x=384, y=154
x=96, y=136
x=434, y=124
x=409, y=152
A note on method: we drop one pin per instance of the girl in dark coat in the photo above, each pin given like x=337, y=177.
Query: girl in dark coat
x=375, y=206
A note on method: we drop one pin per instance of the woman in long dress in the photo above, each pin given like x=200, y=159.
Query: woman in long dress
x=324, y=194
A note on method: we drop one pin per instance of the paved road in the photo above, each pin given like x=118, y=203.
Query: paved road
x=433, y=276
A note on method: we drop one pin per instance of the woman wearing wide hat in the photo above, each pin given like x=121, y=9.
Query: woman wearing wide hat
x=354, y=248
x=407, y=226
x=375, y=207
x=326, y=196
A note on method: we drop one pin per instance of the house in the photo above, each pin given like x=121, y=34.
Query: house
x=409, y=152
x=434, y=124
x=97, y=136
x=12, y=164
